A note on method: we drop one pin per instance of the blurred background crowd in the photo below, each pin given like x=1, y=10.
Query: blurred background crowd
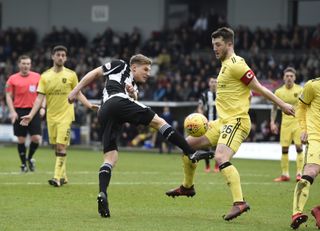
x=182, y=56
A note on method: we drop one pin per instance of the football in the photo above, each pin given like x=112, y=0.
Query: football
x=196, y=124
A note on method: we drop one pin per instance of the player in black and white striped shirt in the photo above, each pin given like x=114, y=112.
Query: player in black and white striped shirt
x=120, y=105
x=206, y=106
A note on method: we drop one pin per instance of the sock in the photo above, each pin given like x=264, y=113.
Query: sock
x=232, y=178
x=22, y=153
x=175, y=138
x=189, y=171
x=300, y=162
x=207, y=161
x=285, y=164
x=301, y=193
x=32, y=149
x=104, y=177
x=60, y=162
x=64, y=169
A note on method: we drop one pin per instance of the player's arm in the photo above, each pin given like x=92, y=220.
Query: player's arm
x=36, y=106
x=266, y=93
x=200, y=108
x=86, y=102
x=132, y=91
x=88, y=78
x=273, y=116
x=301, y=116
x=13, y=113
x=42, y=110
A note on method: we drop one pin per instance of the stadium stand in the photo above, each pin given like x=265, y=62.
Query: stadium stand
x=183, y=58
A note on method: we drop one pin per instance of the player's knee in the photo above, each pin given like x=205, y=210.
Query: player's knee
x=299, y=149
x=35, y=138
x=111, y=157
x=157, y=122
x=285, y=150
x=220, y=159
x=61, y=148
x=21, y=140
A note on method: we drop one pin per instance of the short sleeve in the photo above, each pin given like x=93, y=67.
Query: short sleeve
x=112, y=67
x=307, y=94
x=243, y=72
x=42, y=86
x=9, y=85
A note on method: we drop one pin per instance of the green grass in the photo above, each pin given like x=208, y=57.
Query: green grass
x=136, y=195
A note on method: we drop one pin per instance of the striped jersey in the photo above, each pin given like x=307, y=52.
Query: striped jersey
x=117, y=74
x=207, y=101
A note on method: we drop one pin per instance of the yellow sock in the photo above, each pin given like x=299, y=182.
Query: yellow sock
x=189, y=170
x=285, y=164
x=59, y=167
x=232, y=177
x=300, y=162
x=64, y=169
x=300, y=196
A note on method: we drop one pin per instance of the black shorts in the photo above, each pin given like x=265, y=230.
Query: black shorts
x=117, y=111
x=34, y=127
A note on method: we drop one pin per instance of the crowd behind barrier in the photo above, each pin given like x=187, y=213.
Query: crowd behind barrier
x=183, y=59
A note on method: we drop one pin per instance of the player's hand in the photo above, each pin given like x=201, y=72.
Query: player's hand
x=42, y=112
x=304, y=137
x=274, y=128
x=288, y=109
x=25, y=120
x=130, y=89
x=13, y=117
x=73, y=96
x=95, y=107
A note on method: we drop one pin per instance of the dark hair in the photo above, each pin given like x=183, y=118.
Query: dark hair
x=140, y=59
x=226, y=33
x=59, y=48
x=23, y=57
x=290, y=69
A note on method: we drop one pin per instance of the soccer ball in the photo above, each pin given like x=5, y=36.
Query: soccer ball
x=196, y=124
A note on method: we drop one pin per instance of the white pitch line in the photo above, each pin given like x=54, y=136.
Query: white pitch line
x=127, y=173
x=133, y=183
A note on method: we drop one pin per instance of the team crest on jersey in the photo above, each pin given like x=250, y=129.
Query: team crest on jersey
x=108, y=66
x=295, y=95
x=64, y=80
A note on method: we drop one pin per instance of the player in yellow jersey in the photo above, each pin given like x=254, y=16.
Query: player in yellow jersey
x=235, y=81
x=308, y=116
x=54, y=86
x=290, y=130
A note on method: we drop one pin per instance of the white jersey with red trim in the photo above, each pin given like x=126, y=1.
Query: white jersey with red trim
x=233, y=93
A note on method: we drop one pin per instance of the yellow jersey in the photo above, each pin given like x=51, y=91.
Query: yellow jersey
x=56, y=86
x=311, y=97
x=233, y=93
x=290, y=96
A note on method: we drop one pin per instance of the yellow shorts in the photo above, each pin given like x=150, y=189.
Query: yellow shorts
x=290, y=132
x=59, y=132
x=313, y=152
x=231, y=133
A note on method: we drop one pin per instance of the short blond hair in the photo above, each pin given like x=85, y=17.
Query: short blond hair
x=140, y=59
x=290, y=69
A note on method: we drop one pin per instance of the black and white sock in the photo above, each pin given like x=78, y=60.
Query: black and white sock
x=104, y=177
x=175, y=138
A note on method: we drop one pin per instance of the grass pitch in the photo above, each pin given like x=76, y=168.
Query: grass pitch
x=136, y=195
